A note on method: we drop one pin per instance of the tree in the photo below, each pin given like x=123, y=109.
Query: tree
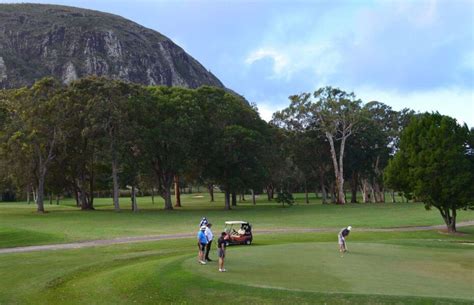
x=232, y=146
x=436, y=163
x=338, y=113
x=285, y=197
x=168, y=120
x=34, y=128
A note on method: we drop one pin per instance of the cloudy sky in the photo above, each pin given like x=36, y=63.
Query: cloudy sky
x=416, y=54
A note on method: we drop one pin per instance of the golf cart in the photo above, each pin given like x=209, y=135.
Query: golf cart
x=240, y=232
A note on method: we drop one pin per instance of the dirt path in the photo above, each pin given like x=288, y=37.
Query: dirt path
x=136, y=239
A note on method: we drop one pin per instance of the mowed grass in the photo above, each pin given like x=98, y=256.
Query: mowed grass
x=426, y=267
x=369, y=268
x=20, y=225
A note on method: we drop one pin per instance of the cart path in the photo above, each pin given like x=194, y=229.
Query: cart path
x=136, y=239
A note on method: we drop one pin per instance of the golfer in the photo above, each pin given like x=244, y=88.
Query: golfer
x=202, y=242
x=221, y=243
x=203, y=222
x=210, y=237
x=342, y=239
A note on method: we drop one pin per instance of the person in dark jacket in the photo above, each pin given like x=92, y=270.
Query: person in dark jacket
x=221, y=244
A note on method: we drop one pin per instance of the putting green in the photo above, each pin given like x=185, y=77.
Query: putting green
x=369, y=268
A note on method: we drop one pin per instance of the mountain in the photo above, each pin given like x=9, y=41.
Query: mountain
x=38, y=40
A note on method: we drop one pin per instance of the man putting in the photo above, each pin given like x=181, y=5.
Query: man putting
x=342, y=239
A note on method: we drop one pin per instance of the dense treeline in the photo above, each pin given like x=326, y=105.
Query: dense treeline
x=97, y=134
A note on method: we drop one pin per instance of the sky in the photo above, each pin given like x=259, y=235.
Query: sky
x=415, y=54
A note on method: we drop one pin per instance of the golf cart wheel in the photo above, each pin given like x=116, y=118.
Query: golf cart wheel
x=248, y=242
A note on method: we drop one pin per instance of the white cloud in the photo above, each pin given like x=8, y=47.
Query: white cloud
x=454, y=102
x=267, y=109
x=280, y=61
x=320, y=58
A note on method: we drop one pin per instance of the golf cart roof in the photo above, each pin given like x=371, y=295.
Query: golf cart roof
x=235, y=222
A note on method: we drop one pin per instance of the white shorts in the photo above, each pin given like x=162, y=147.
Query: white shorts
x=341, y=239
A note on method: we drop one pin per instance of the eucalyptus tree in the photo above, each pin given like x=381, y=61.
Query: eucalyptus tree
x=34, y=129
x=338, y=114
x=436, y=163
x=334, y=113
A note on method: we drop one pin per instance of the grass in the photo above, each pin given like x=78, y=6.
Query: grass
x=20, y=225
x=417, y=267
x=370, y=268
x=399, y=268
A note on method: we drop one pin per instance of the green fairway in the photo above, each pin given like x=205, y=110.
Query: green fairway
x=392, y=267
x=382, y=268
x=369, y=268
x=20, y=225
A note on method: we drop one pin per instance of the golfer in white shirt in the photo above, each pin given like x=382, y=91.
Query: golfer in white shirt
x=210, y=236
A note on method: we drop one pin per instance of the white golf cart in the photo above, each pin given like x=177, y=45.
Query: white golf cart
x=240, y=232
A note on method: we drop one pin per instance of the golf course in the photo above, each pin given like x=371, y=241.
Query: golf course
x=394, y=255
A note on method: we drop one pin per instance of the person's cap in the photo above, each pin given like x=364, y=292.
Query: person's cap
x=203, y=227
x=349, y=228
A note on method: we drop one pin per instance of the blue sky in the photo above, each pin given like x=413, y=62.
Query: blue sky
x=416, y=54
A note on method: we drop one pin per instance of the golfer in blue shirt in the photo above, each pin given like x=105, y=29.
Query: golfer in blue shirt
x=202, y=242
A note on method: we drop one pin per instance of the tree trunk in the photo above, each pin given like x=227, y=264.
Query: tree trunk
x=57, y=199
x=152, y=195
x=115, y=185
x=50, y=198
x=91, y=188
x=324, y=195
x=28, y=191
x=227, y=200
x=306, y=192
x=354, y=183
x=270, y=192
x=86, y=203
x=210, y=188
x=337, y=168
x=35, y=195
x=332, y=193
x=365, y=189
x=378, y=193
x=40, y=194
x=166, y=194
x=392, y=193
x=323, y=189
x=242, y=198
x=253, y=197
x=177, y=193
x=234, y=199
x=133, y=197
x=449, y=219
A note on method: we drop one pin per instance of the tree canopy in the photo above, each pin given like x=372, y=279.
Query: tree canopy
x=435, y=163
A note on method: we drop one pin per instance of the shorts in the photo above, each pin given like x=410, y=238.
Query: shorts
x=341, y=239
x=202, y=247
x=220, y=253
